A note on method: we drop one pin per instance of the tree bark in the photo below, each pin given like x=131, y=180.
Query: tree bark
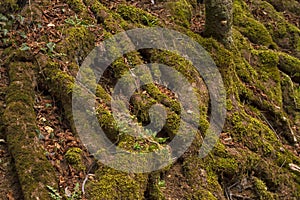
x=218, y=23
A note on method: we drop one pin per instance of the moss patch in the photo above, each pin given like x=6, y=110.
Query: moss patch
x=74, y=157
x=181, y=12
x=34, y=170
x=248, y=26
x=112, y=184
x=136, y=15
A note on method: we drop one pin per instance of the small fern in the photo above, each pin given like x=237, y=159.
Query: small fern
x=54, y=193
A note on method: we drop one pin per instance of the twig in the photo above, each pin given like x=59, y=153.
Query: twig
x=87, y=177
x=29, y=3
x=282, y=164
x=270, y=126
x=84, y=182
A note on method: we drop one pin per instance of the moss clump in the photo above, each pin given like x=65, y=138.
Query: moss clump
x=73, y=157
x=76, y=5
x=253, y=134
x=33, y=169
x=107, y=122
x=290, y=5
x=268, y=75
x=113, y=184
x=206, y=180
x=78, y=42
x=248, y=26
x=60, y=81
x=136, y=15
x=290, y=65
x=286, y=35
x=202, y=194
x=242, y=43
x=289, y=96
x=112, y=21
x=153, y=189
x=181, y=12
x=262, y=190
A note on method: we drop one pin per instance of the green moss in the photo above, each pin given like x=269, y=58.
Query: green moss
x=76, y=5
x=153, y=188
x=181, y=12
x=262, y=189
x=60, y=80
x=241, y=43
x=107, y=122
x=289, y=95
x=290, y=5
x=77, y=44
x=253, y=134
x=102, y=94
x=201, y=177
x=73, y=156
x=136, y=15
x=268, y=75
x=249, y=27
x=290, y=65
x=286, y=35
x=33, y=169
x=202, y=194
x=112, y=21
x=112, y=184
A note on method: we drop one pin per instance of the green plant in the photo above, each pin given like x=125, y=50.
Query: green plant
x=24, y=47
x=137, y=146
x=49, y=50
x=75, y=21
x=75, y=195
x=54, y=193
x=161, y=183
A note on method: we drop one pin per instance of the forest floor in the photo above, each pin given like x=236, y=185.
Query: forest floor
x=54, y=131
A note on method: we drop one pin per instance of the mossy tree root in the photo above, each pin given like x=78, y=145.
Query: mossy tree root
x=34, y=170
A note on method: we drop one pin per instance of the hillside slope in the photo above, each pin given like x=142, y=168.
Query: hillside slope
x=43, y=43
